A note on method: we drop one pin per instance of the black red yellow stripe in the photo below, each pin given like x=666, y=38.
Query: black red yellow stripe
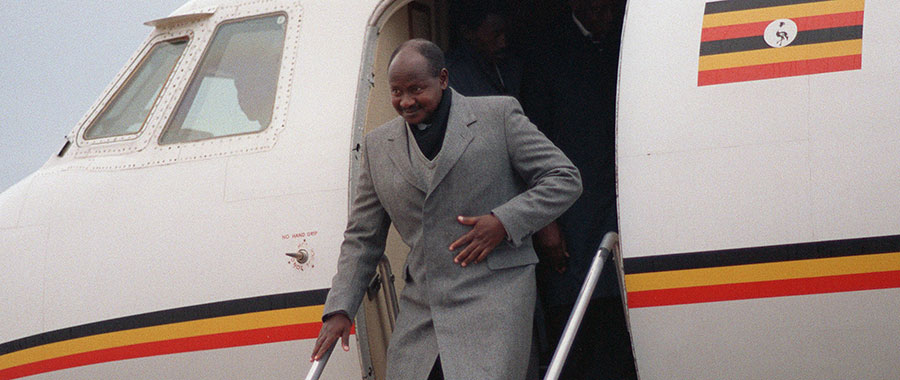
x=809, y=23
x=743, y=5
x=241, y=322
x=733, y=48
x=763, y=272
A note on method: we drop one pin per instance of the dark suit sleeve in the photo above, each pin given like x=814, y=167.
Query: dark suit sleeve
x=363, y=245
x=553, y=181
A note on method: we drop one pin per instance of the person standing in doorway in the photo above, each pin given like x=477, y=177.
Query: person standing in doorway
x=466, y=181
x=482, y=63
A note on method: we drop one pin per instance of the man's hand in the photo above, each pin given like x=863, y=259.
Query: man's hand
x=487, y=231
x=336, y=326
x=551, y=246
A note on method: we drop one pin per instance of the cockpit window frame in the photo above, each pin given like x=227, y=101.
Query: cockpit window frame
x=104, y=144
x=196, y=73
x=143, y=149
x=127, y=81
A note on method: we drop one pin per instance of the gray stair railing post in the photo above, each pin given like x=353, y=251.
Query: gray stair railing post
x=584, y=297
x=316, y=370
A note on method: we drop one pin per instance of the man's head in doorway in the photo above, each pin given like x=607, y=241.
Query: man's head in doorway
x=600, y=17
x=484, y=29
x=417, y=78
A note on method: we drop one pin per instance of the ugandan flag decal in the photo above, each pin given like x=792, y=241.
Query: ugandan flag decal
x=745, y=40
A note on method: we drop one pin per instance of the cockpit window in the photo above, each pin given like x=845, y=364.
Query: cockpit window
x=126, y=112
x=233, y=91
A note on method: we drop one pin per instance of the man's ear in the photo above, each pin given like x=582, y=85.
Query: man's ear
x=444, y=77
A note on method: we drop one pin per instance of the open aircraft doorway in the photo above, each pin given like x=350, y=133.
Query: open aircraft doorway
x=528, y=30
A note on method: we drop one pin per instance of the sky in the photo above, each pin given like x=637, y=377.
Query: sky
x=56, y=58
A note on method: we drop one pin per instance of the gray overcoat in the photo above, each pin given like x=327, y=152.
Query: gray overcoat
x=479, y=318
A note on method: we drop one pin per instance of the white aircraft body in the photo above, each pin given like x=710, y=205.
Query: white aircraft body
x=758, y=178
x=757, y=163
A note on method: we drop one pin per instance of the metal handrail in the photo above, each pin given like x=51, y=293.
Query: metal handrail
x=316, y=370
x=390, y=293
x=562, y=351
x=584, y=297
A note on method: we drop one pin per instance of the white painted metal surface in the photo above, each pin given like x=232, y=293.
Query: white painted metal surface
x=759, y=163
x=122, y=226
x=794, y=159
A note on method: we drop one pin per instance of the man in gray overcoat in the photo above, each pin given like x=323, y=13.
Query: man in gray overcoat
x=466, y=181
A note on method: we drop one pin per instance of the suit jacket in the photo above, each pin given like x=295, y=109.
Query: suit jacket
x=478, y=318
x=470, y=75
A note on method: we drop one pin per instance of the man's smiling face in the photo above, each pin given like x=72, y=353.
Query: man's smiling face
x=415, y=89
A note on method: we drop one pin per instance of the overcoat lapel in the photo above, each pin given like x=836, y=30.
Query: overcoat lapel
x=456, y=139
x=397, y=140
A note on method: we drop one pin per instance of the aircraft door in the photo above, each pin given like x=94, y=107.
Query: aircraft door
x=401, y=21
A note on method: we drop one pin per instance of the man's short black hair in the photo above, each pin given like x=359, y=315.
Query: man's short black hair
x=432, y=53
